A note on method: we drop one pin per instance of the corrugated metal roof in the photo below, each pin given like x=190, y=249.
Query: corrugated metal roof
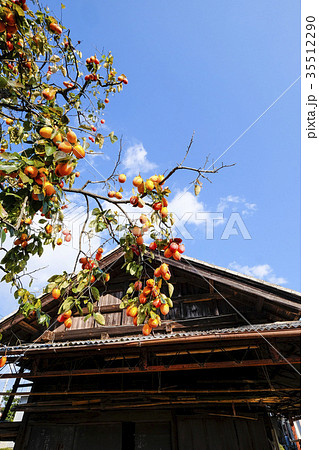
x=259, y=328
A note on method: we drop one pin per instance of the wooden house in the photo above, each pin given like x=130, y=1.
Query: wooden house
x=215, y=375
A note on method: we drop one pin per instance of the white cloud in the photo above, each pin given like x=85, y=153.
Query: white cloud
x=189, y=210
x=62, y=258
x=225, y=202
x=135, y=160
x=184, y=202
x=236, y=204
x=261, y=271
x=250, y=208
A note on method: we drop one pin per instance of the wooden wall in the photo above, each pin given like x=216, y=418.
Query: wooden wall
x=131, y=430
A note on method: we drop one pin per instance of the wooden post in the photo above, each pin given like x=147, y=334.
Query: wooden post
x=143, y=359
x=174, y=430
x=296, y=440
x=11, y=397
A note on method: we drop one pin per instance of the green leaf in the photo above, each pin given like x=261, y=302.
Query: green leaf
x=13, y=195
x=8, y=277
x=169, y=302
x=130, y=290
x=3, y=212
x=24, y=177
x=71, y=180
x=49, y=287
x=82, y=285
x=19, y=10
x=170, y=289
x=15, y=84
x=99, y=139
x=140, y=317
x=66, y=305
x=44, y=319
x=3, y=236
x=95, y=293
x=9, y=167
x=153, y=314
x=65, y=120
x=56, y=278
x=99, y=318
x=61, y=156
x=96, y=211
x=3, y=82
x=112, y=137
x=65, y=284
x=40, y=250
x=49, y=150
x=85, y=127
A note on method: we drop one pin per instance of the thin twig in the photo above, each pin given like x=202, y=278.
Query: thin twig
x=82, y=231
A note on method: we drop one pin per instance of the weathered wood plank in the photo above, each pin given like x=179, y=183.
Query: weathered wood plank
x=9, y=430
x=147, y=392
x=202, y=402
x=159, y=368
x=126, y=327
x=27, y=327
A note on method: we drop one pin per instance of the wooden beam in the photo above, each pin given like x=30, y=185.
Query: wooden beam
x=211, y=338
x=27, y=327
x=240, y=284
x=190, y=339
x=105, y=309
x=159, y=368
x=147, y=392
x=209, y=350
x=116, y=330
x=35, y=407
x=204, y=298
x=9, y=430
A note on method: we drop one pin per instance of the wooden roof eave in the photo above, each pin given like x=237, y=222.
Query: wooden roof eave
x=126, y=344
x=236, y=283
x=15, y=318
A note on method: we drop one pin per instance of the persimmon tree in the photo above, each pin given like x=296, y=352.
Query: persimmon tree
x=45, y=85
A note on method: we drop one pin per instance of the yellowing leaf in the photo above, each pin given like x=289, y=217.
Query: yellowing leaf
x=99, y=318
x=170, y=289
x=197, y=188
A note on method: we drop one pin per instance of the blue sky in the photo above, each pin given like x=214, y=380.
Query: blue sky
x=214, y=68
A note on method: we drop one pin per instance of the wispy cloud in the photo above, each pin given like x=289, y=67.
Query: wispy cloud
x=235, y=203
x=261, y=271
x=189, y=210
x=135, y=160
